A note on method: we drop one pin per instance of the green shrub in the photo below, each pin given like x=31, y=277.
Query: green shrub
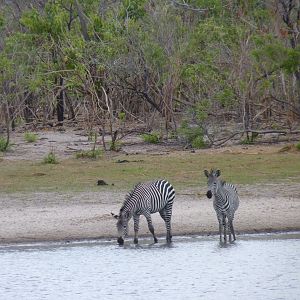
x=192, y=135
x=152, y=138
x=30, y=137
x=50, y=158
x=92, y=136
x=298, y=146
x=198, y=142
x=115, y=146
x=3, y=144
x=92, y=154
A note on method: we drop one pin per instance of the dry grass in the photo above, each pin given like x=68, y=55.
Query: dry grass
x=182, y=169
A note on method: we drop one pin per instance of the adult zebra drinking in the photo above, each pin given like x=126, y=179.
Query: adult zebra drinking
x=225, y=201
x=146, y=199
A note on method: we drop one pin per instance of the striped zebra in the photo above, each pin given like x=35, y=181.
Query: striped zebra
x=146, y=199
x=225, y=201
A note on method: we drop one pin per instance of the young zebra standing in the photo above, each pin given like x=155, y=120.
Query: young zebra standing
x=146, y=199
x=226, y=201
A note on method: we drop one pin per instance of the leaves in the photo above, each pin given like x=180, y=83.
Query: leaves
x=214, y=56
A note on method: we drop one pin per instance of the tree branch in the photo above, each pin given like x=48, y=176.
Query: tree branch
x=188, y=7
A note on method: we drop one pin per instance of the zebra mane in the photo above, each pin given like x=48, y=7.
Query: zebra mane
x=223, y=182
x=130, y=194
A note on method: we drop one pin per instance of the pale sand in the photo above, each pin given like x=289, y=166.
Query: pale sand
x=69, y=216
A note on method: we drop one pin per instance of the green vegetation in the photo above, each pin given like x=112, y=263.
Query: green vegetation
x=298, y=146
x=115, y=146
x=4, y=146
x=92, y=154
x=30, y=137
x=152, y=138
x=192, y=134
x=133, y=61
x=50, y=158
x=182, y=169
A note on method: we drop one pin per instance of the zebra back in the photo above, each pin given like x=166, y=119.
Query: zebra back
x=150, y=195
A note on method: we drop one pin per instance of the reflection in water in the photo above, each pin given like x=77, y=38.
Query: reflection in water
x=255, y=267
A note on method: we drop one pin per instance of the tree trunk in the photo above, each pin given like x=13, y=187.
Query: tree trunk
x=28, y=114
x=7, y=123
x=82, y=20
x=70, y=107
x=60, y=106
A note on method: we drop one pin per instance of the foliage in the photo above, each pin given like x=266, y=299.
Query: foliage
x=298, y=146
x=91, y=154
x=198, y=142
x=120, y=61
x=152, y=138
x=115, y=146
x=30, y=137
x=50, y=158
x=192, y=134
x=3, y=144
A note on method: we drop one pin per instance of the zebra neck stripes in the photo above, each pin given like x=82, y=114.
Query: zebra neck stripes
x=222, y=200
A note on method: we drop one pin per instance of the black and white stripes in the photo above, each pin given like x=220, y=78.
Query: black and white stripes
x=146, y=199
x=225, y=201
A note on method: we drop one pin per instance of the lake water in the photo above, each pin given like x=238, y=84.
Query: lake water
x=255, y=267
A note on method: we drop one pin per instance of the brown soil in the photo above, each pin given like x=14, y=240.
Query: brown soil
x=53, y=216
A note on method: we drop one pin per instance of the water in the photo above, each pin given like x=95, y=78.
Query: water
x=255, y=267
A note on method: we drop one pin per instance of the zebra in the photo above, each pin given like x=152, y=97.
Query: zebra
x=146, y=199
x=225, y=201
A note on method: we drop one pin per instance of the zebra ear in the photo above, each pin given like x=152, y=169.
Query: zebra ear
x=115, y=216
x=218, y=173
x=206, y=173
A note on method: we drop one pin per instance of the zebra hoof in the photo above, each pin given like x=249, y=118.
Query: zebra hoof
x=155, y=240
x=120, y=241
x=136, y=241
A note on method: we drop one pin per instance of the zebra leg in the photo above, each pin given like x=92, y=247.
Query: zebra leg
x=136, y=220
x=229, y=231
x=167, y=220
x=220, y=228
x=224, y=226
x=232, y=229
x=150, y=226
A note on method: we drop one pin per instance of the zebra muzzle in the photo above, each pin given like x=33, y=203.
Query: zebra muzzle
x=209, y=194
x=120, y=241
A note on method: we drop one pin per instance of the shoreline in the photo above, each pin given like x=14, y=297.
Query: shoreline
x=62, y=217
x=129, y=241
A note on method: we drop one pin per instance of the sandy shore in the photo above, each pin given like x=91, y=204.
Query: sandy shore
x=70, y=216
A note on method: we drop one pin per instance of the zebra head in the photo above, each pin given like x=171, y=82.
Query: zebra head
x=122, y=225
x=212, y=182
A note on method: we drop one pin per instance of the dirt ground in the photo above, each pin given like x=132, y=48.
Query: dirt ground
x=51, y=216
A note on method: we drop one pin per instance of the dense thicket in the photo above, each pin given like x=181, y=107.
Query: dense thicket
x=184, y=66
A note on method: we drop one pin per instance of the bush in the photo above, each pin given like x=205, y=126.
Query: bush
x=50, y=158
x=193, y=135
x=92, y=136
x=3, y=144
x=115, y=146
x=92, y=154
x=30, y=137
x=198, y=142
x=298, y=146
x=152, y=138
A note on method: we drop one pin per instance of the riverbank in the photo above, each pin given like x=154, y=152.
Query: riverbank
x=62, y=202
x=50, y=216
